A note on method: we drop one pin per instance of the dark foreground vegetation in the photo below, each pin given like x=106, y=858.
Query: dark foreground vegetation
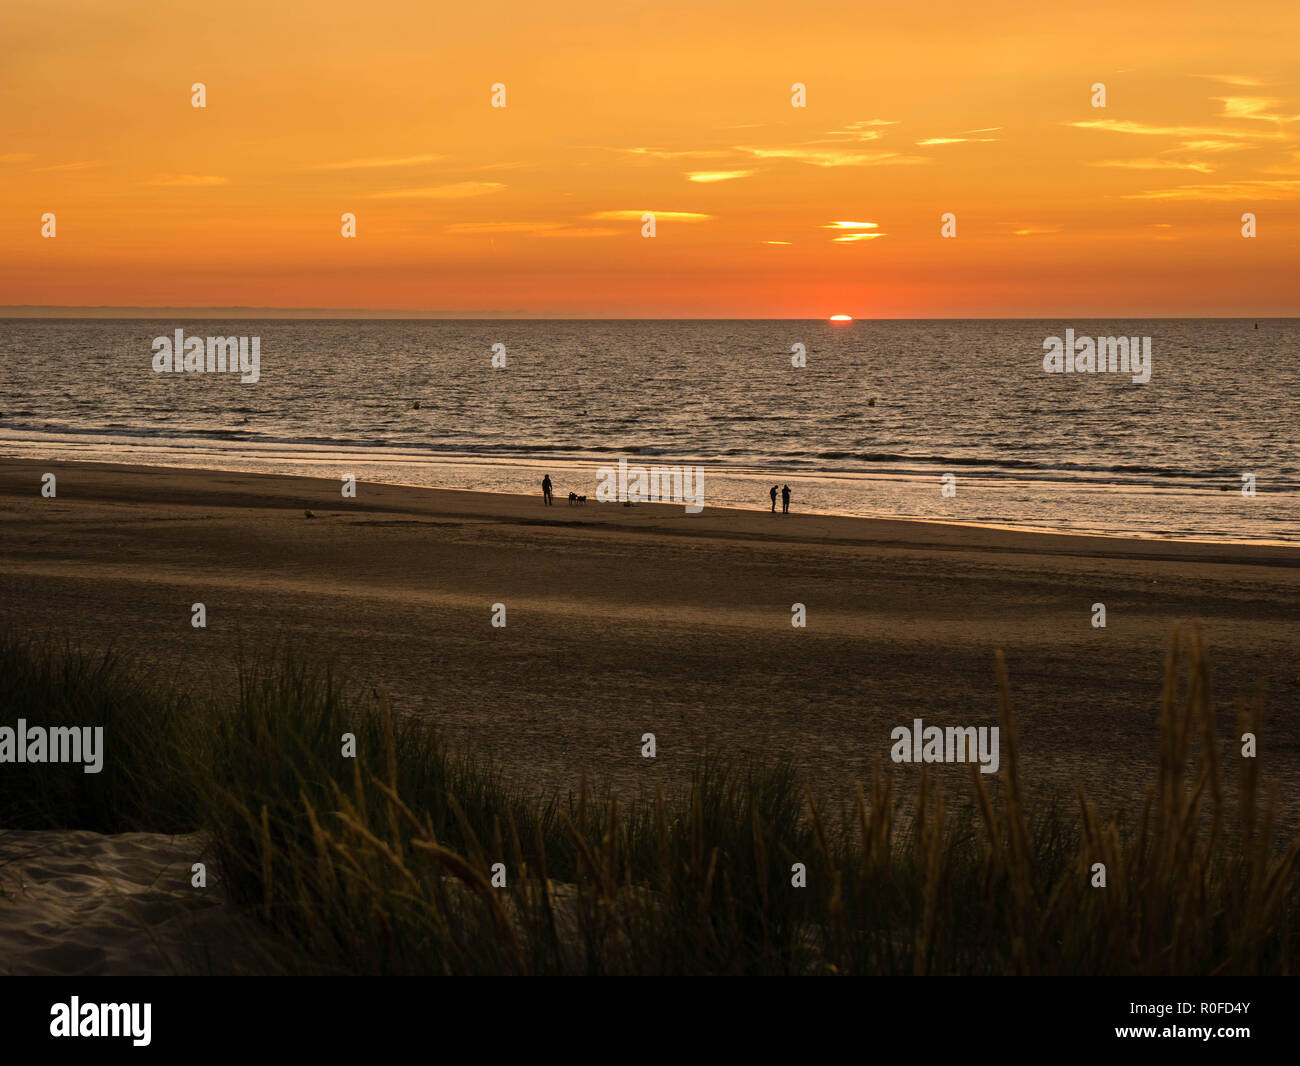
x=383, y=863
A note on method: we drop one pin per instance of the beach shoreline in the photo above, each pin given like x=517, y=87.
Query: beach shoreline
x=882, y=522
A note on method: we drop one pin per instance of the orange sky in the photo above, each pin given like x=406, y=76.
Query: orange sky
x=384, y=109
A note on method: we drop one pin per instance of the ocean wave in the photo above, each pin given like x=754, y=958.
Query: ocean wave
x=1005, y=463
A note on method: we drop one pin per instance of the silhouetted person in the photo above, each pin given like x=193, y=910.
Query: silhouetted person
x=774, y=499
x=546, y=489
x=785, y=500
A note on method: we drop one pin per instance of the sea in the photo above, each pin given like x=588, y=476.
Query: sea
x=942, y=420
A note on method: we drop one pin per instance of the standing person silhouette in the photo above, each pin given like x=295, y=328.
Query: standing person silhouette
x=773, y=499
x=546, y=489
x=785, y=500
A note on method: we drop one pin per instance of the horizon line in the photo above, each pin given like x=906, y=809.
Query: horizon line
x=36, y=311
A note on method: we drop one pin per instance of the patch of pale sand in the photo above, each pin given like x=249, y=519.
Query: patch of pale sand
x=76, y=903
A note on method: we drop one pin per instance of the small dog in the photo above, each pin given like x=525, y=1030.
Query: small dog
x=582, y=499
x=575, y=498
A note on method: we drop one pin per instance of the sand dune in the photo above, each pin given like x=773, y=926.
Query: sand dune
x=86, y=904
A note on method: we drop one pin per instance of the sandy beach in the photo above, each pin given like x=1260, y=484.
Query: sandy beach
x=627, y=620
x=88, y=904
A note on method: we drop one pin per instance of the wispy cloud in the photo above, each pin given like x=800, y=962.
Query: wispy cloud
x=838, y=148
x=664, y=153
x=866, y=129
x=931, y=141
x=1119, y=125
x=1210, y=146
x=709, y=176
x=459, y=190
x=1252, y=125
x=80, y=164
x=1237, y=190
x=16, y=157
x=379, y=161
x=635, y=215
x=1032, y=229
x=963, y=138
x=814, y=155
x=850, y=238
x=187, y=181
x=1153, y=164
x=1253, y=107
x=1245, y=80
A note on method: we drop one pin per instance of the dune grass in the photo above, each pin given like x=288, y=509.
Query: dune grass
x=384, y=863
